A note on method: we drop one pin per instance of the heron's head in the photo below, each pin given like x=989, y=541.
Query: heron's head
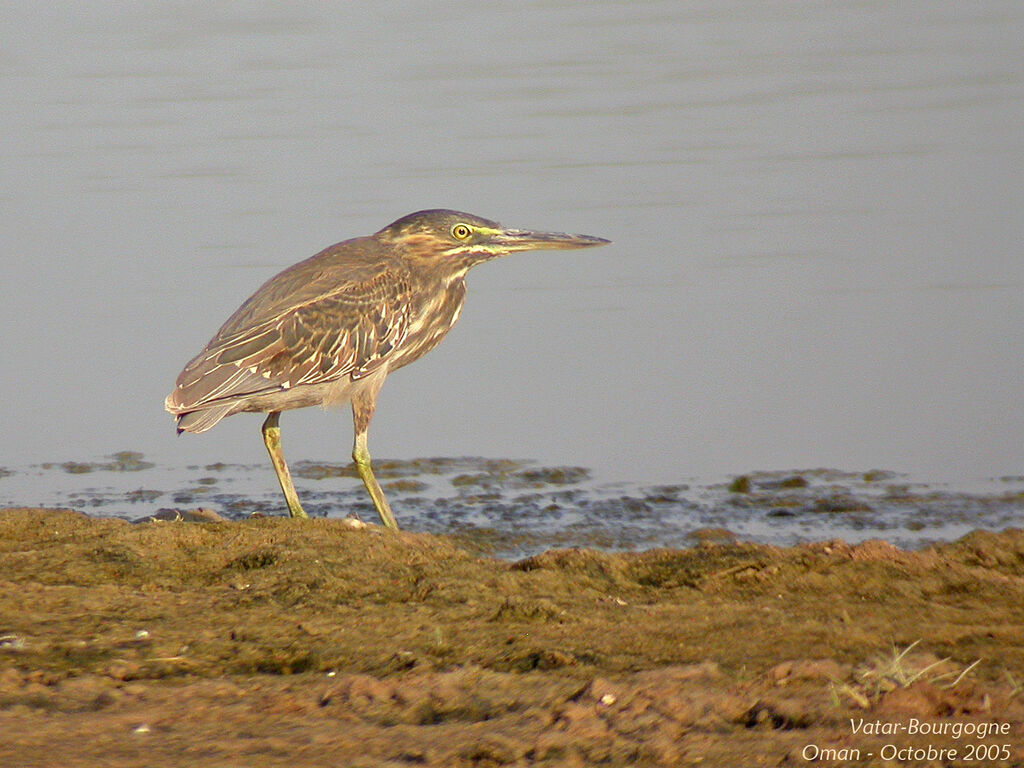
x=462, y=240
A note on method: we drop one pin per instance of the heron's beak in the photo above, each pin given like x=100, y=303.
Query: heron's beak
x=527, y=240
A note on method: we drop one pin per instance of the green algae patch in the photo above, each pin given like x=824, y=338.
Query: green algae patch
x=123, y=461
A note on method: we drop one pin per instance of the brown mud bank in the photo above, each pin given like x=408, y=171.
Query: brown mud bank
x=298, y=643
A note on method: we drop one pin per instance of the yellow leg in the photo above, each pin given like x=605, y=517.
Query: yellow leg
x=272, y=439
x=361, y=456
x=364, y=403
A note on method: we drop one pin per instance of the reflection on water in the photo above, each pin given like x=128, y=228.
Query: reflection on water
x=814, y=209
x=515, y=508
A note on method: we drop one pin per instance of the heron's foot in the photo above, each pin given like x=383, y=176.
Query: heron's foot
x=295, y=508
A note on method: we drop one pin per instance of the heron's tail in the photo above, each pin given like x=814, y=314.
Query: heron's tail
x=202, y=420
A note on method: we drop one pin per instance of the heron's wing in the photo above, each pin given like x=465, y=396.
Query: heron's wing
x=347, y=331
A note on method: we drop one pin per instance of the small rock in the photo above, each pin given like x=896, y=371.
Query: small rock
x=12, y=642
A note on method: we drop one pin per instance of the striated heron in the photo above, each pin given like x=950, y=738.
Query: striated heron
x=329, y=329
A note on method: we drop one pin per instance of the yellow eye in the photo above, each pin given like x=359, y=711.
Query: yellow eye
x=460, y=231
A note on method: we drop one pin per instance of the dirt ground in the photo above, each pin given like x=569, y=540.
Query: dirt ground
x=277, y=642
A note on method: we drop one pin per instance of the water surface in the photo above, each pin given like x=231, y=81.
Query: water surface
x=814, y=208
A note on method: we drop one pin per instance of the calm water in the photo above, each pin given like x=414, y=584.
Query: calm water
x=815, y=210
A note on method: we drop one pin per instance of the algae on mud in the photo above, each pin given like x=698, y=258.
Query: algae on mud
x=304, y=642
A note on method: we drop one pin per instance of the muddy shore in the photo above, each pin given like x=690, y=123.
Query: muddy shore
x=275, y=642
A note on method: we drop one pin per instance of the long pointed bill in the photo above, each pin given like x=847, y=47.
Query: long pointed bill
x=524, y=240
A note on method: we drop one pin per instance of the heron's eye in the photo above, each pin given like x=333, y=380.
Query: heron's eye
x=460, y=231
